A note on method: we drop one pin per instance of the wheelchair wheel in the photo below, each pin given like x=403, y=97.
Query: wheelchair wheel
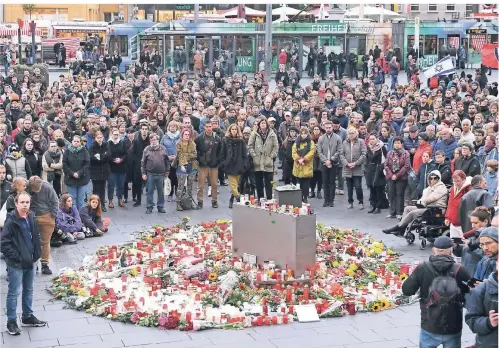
x=410, y=237
x=422, y=244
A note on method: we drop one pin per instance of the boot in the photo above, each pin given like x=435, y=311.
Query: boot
x=231, y=201
x=121, y=204
x=393, y=229
x=319, y=195
x=179, y=206
x=111, y=204
x=377, y=211
x=371, y=210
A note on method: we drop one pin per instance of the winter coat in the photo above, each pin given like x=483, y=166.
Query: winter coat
x=452, y=212
x=332, y=145
x=5, y=191
x=410, y=143
x=474, y=198
x=118, y=150
x=17, y=167
x=90, y=219
x=353, y=152
x=470, y=256
x=405, y=165
x=421, y=279
x=469, y=165
x=478, y=304
x=13, y=245
x=374, y=167
x=76, y=161
x=35, y=162
x=169, y=141
x=307, y=169
x=209, y=158
x=136, y=152
x=445, y=172
x=435, y=195
x=50, y=171
x=235, y=156
x=447, y=147
x=491, y=180
x=68, y=220
x=185, y=154
x=418, y=155
x=483, y=157
x=99, y=167
x=263, y=151
x=422, y=175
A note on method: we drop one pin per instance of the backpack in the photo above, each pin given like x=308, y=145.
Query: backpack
x=434, y=82
x=445, y=300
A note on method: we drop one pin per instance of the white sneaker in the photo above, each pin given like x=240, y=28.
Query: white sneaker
x=209, y=191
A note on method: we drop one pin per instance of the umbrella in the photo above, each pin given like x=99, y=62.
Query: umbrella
x=370, y=11
x=287, y=11
x=249, y=12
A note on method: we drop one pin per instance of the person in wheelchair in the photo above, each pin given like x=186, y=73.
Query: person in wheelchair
x=435, y=194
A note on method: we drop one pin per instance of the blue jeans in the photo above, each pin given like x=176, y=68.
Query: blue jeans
x=394, y=81
x=115, y=180
x=78, y=194
x=18, y=277
x=431, y=340
x=155, y=181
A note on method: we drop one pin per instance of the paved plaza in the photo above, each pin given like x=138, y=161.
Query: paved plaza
x=68, y=328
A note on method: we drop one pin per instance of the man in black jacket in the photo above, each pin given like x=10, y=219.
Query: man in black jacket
x=20, y=245
x=140, y=142
x=5, y=185
x=209, y=154
x=444, y=330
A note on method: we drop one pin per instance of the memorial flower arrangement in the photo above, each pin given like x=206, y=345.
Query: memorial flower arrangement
x=185, y=277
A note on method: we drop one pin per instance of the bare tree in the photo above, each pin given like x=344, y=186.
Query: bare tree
x=28, y=8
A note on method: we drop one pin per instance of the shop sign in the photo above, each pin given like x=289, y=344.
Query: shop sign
x=326, y=28
x=245, y=62
x=183, y=7
x=428, y=60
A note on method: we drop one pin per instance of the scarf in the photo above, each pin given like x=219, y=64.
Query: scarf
x=489, y=148
x=303, y=151
x=75, y=149
x=376, y=147
x=396, y=163
x=173, y=135
x=115, y=142
x=16, y=156
x=263, y=134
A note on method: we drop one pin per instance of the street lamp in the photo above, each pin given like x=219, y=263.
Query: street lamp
x=20, y=25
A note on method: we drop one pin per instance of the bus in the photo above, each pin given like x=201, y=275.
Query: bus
x=121, y=39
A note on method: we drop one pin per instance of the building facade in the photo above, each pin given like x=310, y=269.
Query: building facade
x=65, y=12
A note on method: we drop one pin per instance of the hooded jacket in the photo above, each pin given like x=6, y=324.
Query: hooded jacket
x=422, y=175
x=421, y=279
x=436, y=194
x=478, y=304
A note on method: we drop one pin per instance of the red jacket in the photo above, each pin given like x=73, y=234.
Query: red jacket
x=418, y=155
x=382, y=64
x=283, y=57
x=452, y=212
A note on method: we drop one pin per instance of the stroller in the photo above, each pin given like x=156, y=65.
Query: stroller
x=428, y=226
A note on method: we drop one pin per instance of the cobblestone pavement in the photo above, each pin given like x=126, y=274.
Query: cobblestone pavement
x=68, y=328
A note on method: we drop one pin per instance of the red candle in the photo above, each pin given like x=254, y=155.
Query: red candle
x=404, y=269
x=351, y=308
x=267, y=321
x=291, y=309
x=306, y=293
x=188, y=317
x=289, y=294
x=285, y=319
x=387, y=280
x=274, y=320
x=259, y=321
x=318, y=307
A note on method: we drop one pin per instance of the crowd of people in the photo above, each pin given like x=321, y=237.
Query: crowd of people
x=72, y=148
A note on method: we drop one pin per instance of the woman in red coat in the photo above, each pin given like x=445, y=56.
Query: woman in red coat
x=424, y=146
x=457, y=191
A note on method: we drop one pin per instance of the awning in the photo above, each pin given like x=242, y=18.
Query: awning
x=7, y=30
x=75, y=29
x=249, y=12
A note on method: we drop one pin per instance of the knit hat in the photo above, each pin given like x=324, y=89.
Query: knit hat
x=246, y=130
x=41, y=112
x=13, y=97
x=444, y=242
x=413, y=128
x=490, y=232
x=13, y=148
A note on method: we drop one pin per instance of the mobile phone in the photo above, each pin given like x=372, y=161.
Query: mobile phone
x=471, y=283
x=494, y=306
x=457, y=240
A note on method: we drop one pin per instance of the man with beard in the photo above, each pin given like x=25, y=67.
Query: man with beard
x=461, y=110
x=42, y=121
x=304, y=113
x=140, y=142
x=329, y=148
x=24, y=133
x=52, y=167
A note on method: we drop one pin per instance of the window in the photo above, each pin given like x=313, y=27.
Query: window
x=430, y=44
x=414, y=8
x=118, y=43
x=432, y=7
x=107, y=17
x=450, y=8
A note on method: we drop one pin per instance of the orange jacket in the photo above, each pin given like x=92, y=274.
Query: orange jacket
x=418, y=155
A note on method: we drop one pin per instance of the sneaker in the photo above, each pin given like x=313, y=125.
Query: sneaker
x=69, y=238
x=103, y=208
x=350, y=206
x=214, y=204
x=169, y=199
x=45, y=269
x=12, y=328
x=341, y=192
x=223, y=183
x=390, y=216
x=149, y=211
x=136, y=204
x=361, y=206
x=161, y=210
x=33, y=321
x=80, y=235
x=325, y=204
x=399, y=217
x=209, y=191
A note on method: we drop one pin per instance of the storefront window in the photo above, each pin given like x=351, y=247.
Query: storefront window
x=118, y=43
x=430, y=44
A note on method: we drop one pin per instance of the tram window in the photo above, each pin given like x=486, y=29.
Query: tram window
x=430, y=44
x=118, y=43
x=244, y=46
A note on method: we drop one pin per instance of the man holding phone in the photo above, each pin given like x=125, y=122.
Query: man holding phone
x=482, y=312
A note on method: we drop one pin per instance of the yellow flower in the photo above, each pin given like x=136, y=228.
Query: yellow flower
x=385, y=304
x=403, y=277
x=335, y=264
x=134, y=272
x=213, y=276
x=372, y=274
x=377, y=250
x=353, y=267
x=82, y=292
x=349, y=272
x=376, y=307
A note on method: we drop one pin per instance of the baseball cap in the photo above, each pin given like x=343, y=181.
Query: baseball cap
x=444, y=242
